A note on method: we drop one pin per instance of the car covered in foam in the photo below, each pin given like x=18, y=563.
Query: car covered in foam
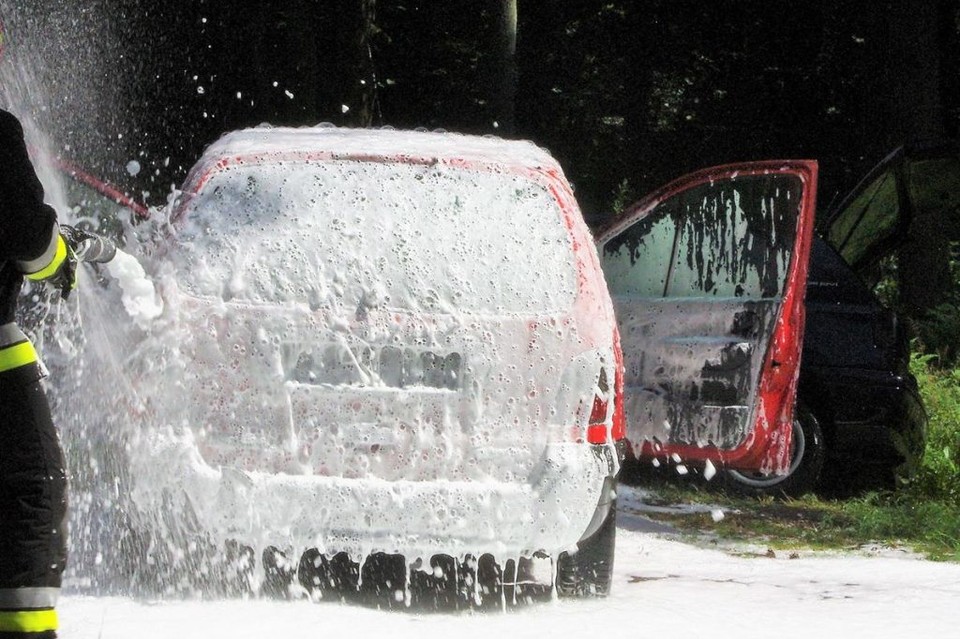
x=382, y=343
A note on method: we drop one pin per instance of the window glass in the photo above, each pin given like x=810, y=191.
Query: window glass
x=728, y=238
x=736, y=237
x=379, y=234
x=636, y=262
x=871, y=217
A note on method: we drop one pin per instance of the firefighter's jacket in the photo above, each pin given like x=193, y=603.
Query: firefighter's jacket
x=32, y=478
x=30, y=240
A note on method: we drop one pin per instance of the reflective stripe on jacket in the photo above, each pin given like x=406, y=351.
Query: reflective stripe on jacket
x=15, y=349
x=50, y=260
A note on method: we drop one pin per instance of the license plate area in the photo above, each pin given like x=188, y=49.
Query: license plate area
x=362, y=365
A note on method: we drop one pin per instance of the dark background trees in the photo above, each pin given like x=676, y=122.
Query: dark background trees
x=626, y=94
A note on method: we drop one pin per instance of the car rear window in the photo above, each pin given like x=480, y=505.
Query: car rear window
x=397, y=235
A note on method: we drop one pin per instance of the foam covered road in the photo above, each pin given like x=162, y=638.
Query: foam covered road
x=663, y=587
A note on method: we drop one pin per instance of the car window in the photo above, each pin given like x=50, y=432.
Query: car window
x=637, y=261
x=396, y=235
x=854, y=232
x=729, y=239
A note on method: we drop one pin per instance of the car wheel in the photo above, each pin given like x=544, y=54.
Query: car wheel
x=589, y=571
x=807, y=454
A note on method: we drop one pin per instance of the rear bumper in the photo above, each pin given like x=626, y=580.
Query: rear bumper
x=550, y=511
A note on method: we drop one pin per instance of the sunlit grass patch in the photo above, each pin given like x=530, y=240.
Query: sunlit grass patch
x=883, y=519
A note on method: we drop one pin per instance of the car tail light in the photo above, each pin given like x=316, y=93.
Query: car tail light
x=597, y=424
x=591, y=390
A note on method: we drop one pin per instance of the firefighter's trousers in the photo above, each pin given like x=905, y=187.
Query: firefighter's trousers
x=33, y=507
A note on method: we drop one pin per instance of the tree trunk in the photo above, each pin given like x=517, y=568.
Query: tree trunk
x=914, y=110
x=300, y=31
x=503, y=85
x=362, y=95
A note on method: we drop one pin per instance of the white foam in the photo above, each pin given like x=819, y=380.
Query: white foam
x=140, y=298
x=350, y=355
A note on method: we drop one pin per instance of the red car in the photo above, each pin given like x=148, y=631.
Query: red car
x=381, y=343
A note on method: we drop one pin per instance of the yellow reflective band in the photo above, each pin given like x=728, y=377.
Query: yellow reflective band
x=54, y=264
x=17, y=355
x=28, y=620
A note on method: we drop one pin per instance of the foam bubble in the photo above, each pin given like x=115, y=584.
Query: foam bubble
x=140, y=298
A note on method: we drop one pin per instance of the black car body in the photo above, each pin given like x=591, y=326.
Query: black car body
x=855, y=374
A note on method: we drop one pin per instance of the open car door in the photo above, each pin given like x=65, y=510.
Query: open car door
x=915, y=183
x=708, y=276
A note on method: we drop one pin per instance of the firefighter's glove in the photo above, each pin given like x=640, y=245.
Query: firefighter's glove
x=66, y=276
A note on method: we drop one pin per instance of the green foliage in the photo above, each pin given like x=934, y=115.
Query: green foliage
x=939, y=329
x=623, y=196
x=901, y=519
x=887, y=289
x=939, y=476
x=929, y=525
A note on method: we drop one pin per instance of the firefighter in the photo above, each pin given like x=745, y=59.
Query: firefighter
x=33, y=503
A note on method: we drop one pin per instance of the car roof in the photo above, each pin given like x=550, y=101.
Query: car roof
x=427, y=146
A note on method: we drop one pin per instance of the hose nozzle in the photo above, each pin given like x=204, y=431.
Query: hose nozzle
x=87, y=246
x=94, y=248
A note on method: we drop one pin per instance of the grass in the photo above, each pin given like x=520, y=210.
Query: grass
x=922, y=515
x=887, y=519
x=939, y=477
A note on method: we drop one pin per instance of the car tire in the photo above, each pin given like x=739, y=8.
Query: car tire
x=807, y=456
x=589, y=571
